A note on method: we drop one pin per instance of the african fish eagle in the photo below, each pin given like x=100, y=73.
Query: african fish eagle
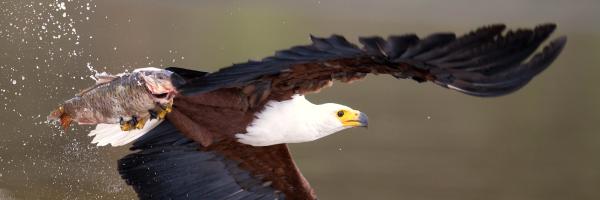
x=225, y=138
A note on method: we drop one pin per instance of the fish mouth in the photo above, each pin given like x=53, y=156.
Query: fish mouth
x=161, y=95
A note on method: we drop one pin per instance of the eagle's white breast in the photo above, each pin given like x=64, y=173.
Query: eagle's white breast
x=292, y=121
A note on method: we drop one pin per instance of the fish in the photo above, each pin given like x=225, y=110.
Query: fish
x=126, y=99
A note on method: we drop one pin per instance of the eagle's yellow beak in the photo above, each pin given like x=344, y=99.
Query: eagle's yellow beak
x=353, y=118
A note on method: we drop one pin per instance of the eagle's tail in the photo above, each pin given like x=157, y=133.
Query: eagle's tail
x=59, y=115
x=112, y=134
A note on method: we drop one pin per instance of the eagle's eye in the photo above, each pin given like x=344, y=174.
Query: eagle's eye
x=340, y=113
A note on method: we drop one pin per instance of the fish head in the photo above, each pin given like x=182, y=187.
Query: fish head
x=160, y=83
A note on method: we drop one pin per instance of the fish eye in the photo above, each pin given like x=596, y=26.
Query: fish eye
x=340, y=113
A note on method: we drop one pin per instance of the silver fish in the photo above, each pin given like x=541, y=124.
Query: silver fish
x=130, y=99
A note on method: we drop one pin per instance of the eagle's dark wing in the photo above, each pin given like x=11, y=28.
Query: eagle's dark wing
x=187, y=74
x=167, y=165
x=485, y=62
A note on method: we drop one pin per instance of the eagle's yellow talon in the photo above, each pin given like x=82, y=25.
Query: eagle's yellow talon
x=162, y=112
x=125, y=126
x=140, y=123
x=169, y=107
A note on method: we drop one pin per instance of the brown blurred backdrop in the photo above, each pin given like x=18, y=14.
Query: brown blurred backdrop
x=424, y=142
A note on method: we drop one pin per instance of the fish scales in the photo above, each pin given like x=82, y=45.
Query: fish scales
x=130, y=97
x=123, y=97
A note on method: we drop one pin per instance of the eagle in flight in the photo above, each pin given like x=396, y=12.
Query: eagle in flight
x=225, y=137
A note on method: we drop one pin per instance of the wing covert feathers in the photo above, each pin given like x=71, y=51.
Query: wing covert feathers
x=485, y=62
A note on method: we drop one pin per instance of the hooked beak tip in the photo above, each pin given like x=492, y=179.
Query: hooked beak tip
x=364, y=120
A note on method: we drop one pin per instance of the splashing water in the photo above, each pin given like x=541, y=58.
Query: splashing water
x=44, y=56
x=42, y=35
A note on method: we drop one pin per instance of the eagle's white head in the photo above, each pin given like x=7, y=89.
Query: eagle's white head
x=298, y=120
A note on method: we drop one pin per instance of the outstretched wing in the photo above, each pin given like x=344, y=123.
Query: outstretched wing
x=167, y=165
x=484, y=62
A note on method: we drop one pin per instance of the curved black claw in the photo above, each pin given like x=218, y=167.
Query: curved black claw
x=153, y=114
x=133, y=121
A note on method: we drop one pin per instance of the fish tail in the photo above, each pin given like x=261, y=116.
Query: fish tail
x=60, y=116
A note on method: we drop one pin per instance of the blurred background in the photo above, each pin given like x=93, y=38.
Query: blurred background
x=423, y=142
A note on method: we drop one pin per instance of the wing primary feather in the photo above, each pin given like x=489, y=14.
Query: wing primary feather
x=320, y=43
x=341, y=42
x=513, y=79
x=428, y=43
x=481, y=35
x=397, y=45
x=373, y=46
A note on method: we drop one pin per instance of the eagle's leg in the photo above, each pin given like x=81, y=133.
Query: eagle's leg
x=125, y=125
x=163, y=110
